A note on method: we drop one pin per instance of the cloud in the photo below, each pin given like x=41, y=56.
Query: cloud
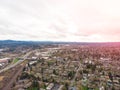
x=60, y=20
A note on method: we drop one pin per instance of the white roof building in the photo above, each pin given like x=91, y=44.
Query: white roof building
x=50, y=86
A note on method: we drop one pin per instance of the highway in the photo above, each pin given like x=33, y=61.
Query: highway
x=11, y=66
x=17, y=63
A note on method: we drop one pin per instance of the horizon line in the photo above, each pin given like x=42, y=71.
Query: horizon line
x=58, y=41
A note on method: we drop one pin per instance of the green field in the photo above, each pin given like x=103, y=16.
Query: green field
x=15, y=60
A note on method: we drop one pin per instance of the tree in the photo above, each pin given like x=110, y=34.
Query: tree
x=119, y=81
x=54, y=72
x=66, y=86
x=71, y=74
x=34, y=86
x=110, y=76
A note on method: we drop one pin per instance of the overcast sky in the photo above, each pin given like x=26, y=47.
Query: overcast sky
x=60, y=20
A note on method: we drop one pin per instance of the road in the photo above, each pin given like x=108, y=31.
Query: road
x=11, y=66
x=20, y=61
x=77, y=71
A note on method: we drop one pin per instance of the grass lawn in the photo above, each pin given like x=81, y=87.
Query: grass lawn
x=15, y=60
x=84, y=88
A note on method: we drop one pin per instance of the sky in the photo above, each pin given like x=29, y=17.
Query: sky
x=60, y=20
